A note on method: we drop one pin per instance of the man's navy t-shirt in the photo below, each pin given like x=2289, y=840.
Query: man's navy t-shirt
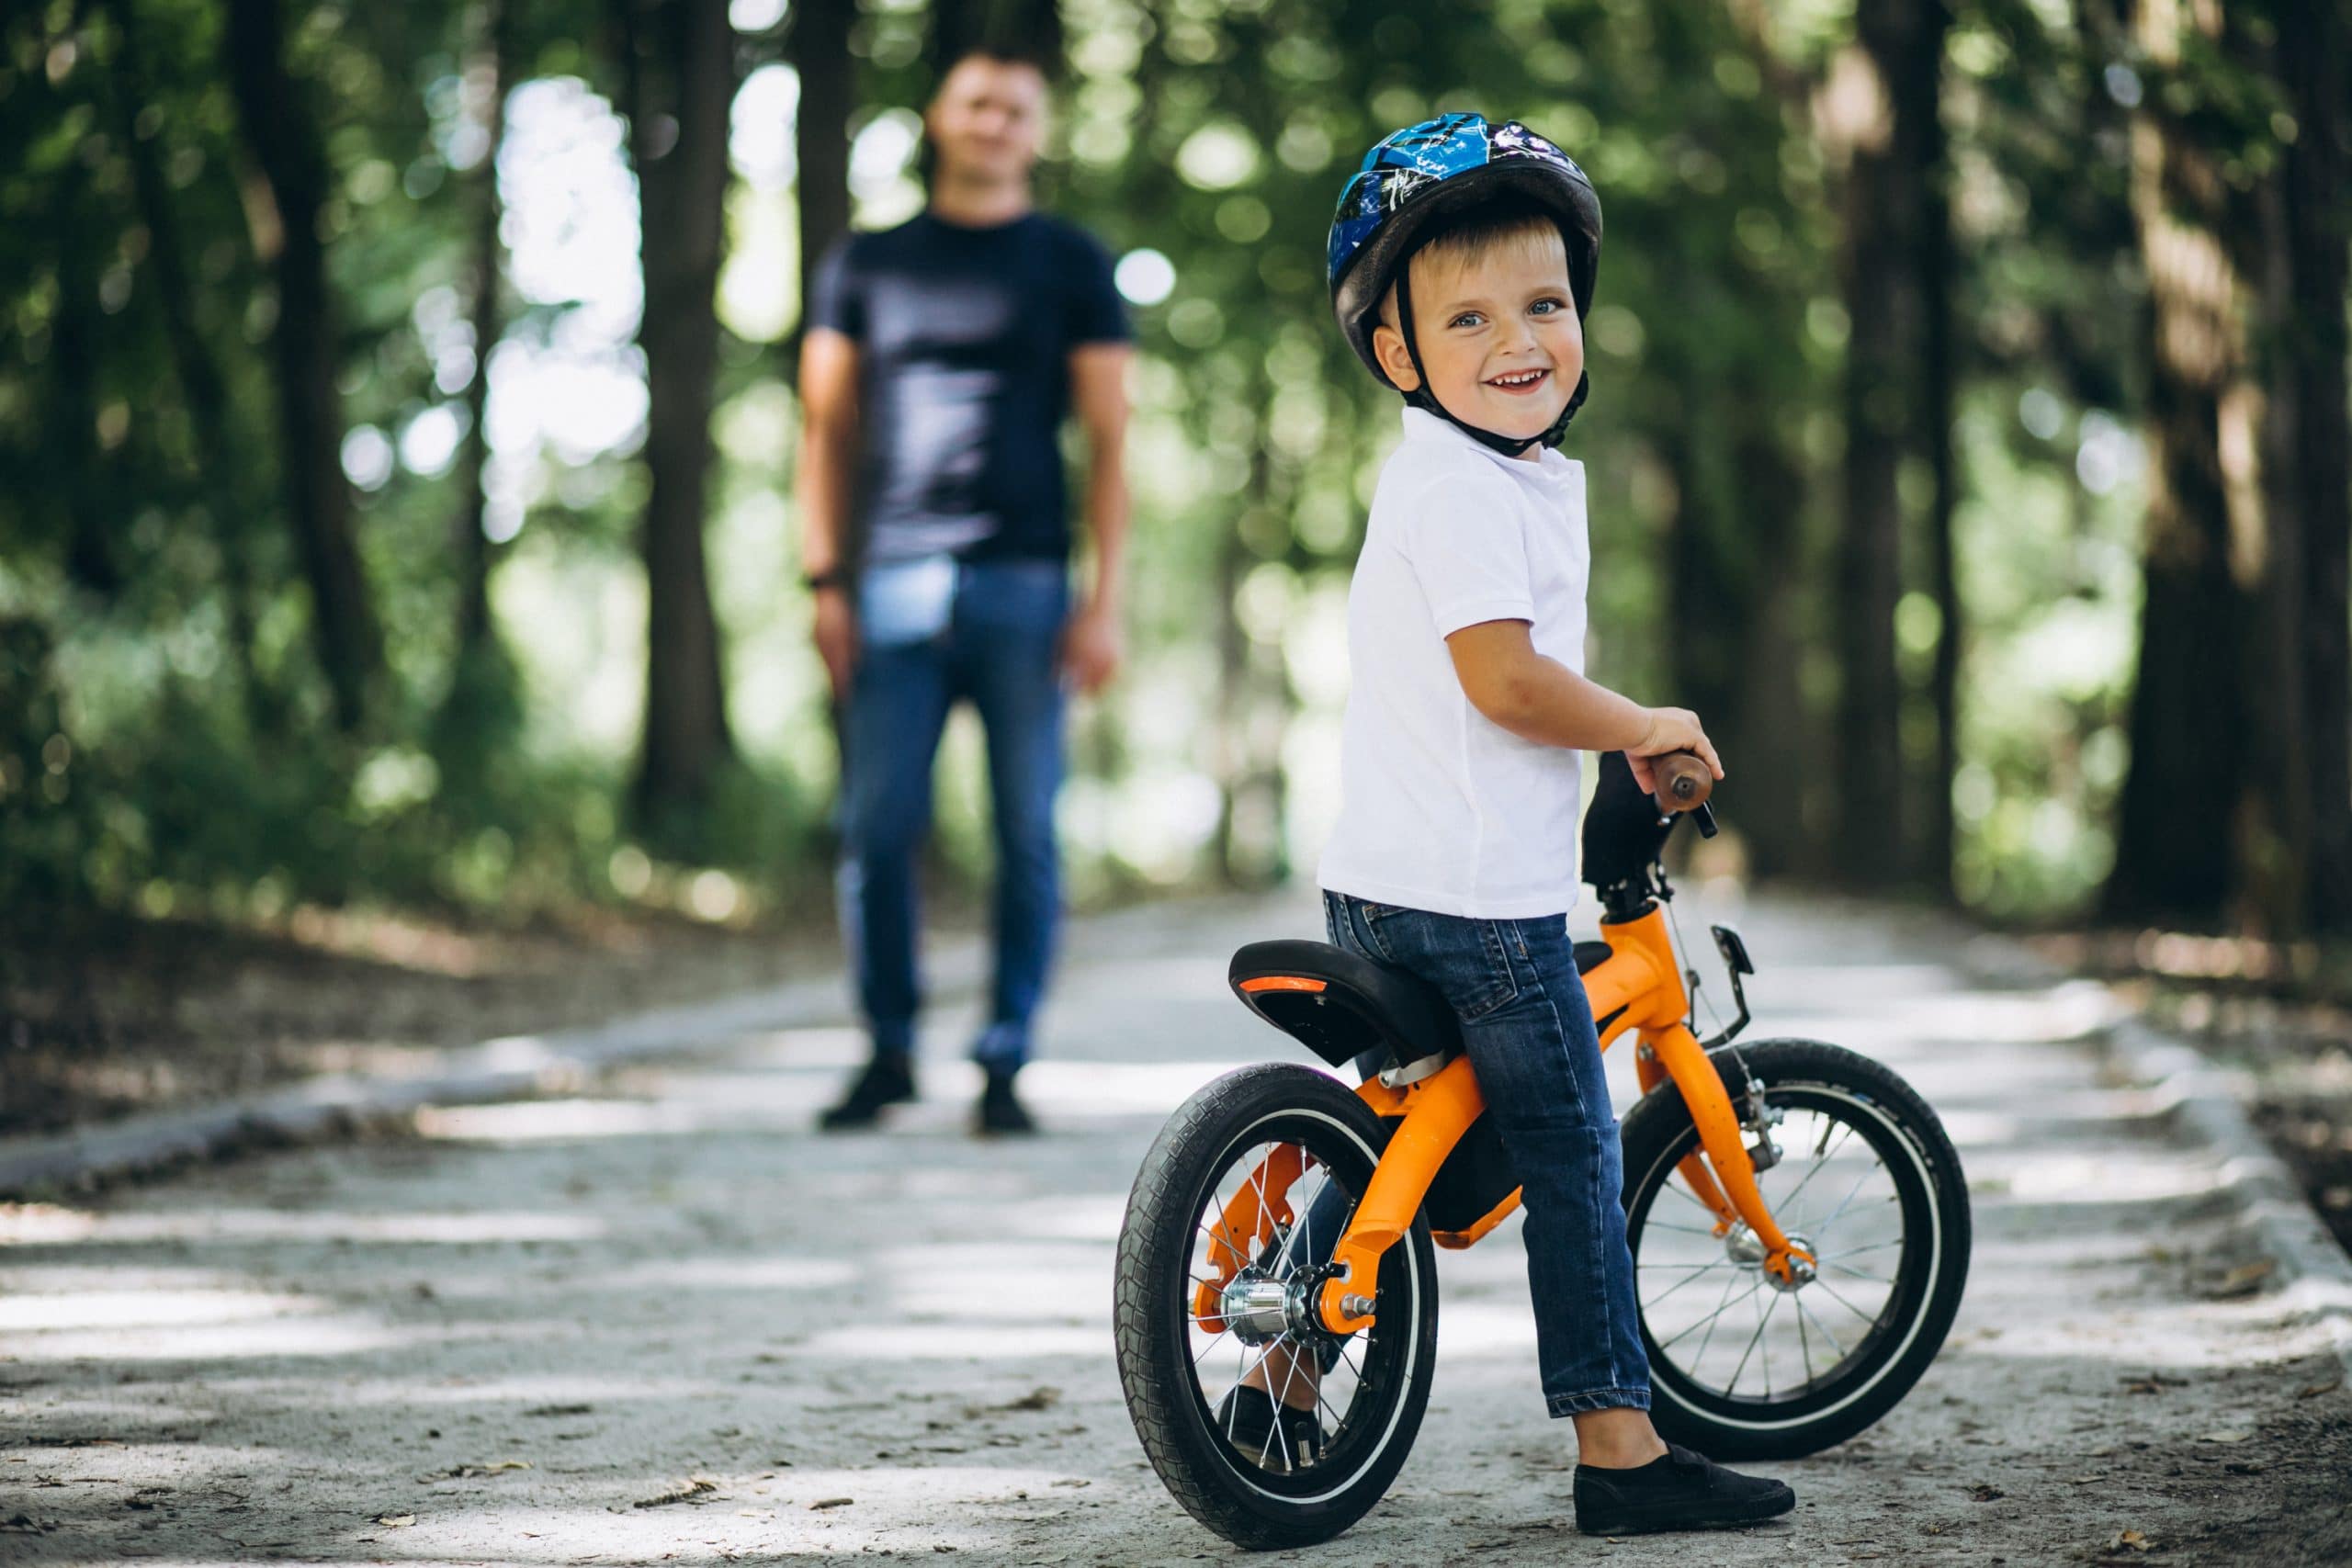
x=964, y=338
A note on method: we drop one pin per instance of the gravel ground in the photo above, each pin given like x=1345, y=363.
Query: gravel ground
x=664, y=1321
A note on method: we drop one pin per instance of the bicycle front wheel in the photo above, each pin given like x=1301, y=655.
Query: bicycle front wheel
x=1744, y=1365
x=1234, y=1211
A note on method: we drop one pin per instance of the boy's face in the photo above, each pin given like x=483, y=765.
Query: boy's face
x=1497, y=333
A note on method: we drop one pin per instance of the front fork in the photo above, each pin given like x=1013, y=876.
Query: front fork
x=1725, y=1181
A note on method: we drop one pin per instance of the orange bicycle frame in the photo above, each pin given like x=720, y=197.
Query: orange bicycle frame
x=1638, y=988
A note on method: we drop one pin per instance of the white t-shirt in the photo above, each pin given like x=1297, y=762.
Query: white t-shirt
x=1440, y=807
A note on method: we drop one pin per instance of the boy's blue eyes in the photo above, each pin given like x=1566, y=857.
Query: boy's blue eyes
x=1476, y=317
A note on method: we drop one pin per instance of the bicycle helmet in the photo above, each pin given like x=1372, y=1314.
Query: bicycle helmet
x=1418, y=177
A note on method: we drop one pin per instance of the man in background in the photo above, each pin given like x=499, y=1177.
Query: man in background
x=940, y=360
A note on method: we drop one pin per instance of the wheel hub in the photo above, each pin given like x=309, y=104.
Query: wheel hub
x=1744, y=1247
x=1256, y=1306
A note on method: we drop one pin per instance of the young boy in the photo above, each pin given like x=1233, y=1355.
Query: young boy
x=1462, y=264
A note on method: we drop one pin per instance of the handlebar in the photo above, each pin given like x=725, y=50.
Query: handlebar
x=1684, y=783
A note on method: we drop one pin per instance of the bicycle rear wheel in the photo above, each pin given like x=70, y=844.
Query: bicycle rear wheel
x=1296, y=1142
x=1746, y=1366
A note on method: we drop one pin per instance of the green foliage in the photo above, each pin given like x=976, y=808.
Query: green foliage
x=153, y=617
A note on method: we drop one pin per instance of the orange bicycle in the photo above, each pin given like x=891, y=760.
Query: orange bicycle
x=1798, y=1218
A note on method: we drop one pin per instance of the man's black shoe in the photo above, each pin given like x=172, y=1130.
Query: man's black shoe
x=1681, y=1490
x=1246, y=1418
x=1000, y=1110
x=889, y=1080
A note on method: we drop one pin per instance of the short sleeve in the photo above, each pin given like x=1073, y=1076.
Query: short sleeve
x=1092, y=310
x=838, y=301
x=1462, y=538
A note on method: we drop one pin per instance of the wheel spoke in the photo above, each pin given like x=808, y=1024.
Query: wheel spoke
x=1823, y=1228
x=1762, y=1325
x=1822, y=1156
x=1695, y=1272
x=1708, y=1322
x=1865, y=1317
x=1803, y=1316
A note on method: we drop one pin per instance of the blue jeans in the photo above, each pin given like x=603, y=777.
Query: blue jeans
x=1528, y=1033
x=930, y=632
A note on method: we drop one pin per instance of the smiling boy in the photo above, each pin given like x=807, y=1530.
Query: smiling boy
x=1462, y=263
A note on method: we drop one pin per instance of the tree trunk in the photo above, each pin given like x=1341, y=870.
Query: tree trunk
x=71, y=407
x=2315, y=62
x=476, y=632
x=2177, y=825
x=820, y=142
x=286, y=146
x=1881, y=221
x=680, y=67
x=1922, y=91
x=219, y=468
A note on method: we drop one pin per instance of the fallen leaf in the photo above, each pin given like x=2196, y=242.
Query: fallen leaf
x=831, y=1503
x=2242, y=1280
x=2131, y=1540
x=1982, y=1492
x=396, y=1521
x=694, y=1486
x=2246, y=1467
x=1036, y=1398
x=2224, y=1435
x=2313, y=1391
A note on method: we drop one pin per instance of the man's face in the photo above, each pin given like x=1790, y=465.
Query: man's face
x=987, y=121
x=1497, y=333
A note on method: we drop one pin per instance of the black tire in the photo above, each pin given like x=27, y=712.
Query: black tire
x=1907, y=1176
x=1160, y=1370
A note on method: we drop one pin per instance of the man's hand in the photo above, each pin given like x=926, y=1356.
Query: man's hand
x=1670, y=729
x=835, y=634
x=1092, y=647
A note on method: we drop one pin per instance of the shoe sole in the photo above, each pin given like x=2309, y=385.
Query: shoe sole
x=1667, y=1524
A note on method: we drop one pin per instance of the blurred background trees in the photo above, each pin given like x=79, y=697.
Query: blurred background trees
x=395, y=423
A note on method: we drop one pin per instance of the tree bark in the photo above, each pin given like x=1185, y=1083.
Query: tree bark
x=1922, y=90
x=1882, y=205
x=2315, y=61
x=828, y=75
x=2178, y=825
x=219, y=468
x=284, y=139
x=679, y=68
x=476, y=632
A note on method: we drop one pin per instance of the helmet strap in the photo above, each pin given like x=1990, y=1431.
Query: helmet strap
x=1422, y=398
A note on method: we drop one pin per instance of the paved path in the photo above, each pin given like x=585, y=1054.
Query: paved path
x=663, y=1322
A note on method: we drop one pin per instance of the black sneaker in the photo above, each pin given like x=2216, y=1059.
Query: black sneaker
x=1247, y=1418
x=889, y=1080
x=1000, y=1110
x=1681, y=1490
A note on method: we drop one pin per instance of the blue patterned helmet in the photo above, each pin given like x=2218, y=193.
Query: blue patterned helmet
x=1433, y=171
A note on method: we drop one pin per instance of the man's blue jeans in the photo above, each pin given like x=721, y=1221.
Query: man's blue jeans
x=930, y=632
x=1528, y=1033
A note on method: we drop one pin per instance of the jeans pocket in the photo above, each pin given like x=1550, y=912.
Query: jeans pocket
x=1465, y=958
x=900, y=603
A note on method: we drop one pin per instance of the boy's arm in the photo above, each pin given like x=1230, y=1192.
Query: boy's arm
x=1542, y=700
